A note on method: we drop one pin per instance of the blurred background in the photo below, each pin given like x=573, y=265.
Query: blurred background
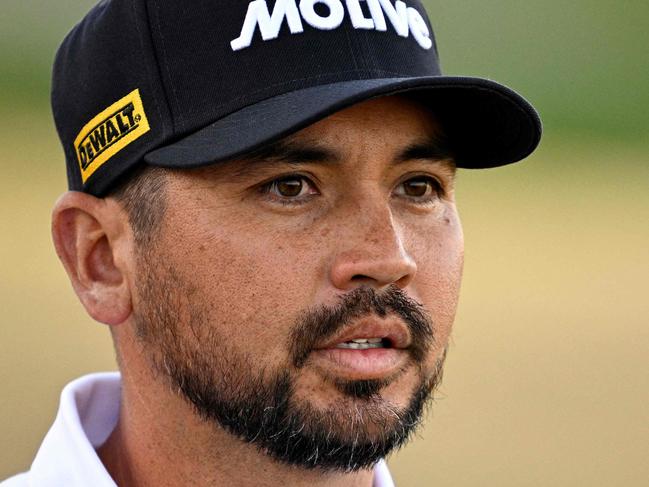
x=547, y=380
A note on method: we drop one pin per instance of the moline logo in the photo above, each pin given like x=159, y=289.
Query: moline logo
x=363, y=14
x=109, y=132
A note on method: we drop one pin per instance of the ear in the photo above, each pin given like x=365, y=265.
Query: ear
x=91, y=237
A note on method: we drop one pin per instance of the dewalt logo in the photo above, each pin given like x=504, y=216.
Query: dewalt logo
x=109, y=132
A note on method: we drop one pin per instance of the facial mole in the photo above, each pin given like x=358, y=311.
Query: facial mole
x=201, y=247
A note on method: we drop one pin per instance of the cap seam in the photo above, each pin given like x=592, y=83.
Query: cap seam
x=351, y=50
x=174, y=109
x=141, y=36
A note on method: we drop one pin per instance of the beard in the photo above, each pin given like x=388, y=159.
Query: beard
x=228, y=387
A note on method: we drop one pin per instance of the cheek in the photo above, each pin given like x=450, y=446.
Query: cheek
x=251, y=282
x=439, y=253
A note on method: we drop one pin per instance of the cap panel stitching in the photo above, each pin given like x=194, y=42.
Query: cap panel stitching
x=351, y=50
x=176, y=117
x=142, y=46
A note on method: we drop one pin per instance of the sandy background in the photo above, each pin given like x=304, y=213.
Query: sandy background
x=547, y=381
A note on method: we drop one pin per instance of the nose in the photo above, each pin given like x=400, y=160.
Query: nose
x=372, y=253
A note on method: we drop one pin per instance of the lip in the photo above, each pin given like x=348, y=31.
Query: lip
x=391, y=329
x=372, y=363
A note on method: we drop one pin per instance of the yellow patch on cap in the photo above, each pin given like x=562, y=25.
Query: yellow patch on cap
x=109, y=132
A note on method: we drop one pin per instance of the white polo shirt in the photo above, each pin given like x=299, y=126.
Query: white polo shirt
x=87, y=415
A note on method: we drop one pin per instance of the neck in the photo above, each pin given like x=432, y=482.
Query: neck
x=160, y=441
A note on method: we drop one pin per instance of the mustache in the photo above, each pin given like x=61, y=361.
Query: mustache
x=322, y=323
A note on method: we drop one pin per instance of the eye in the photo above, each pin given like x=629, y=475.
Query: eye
x=420, y=188
x=289, y=187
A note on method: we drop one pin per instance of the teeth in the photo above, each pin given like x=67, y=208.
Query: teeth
x=362, y=343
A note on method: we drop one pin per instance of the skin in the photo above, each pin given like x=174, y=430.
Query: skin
x=258, y=259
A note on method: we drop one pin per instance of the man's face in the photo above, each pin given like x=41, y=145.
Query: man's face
x=302, y=298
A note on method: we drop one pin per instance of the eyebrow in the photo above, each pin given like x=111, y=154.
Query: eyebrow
x=285, y=151
x=291, y=152
x=429, y=148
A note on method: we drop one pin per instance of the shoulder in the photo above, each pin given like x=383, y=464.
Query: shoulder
x=88, y=412
x=20, y=480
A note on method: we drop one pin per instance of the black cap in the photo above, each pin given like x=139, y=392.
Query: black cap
x=189, y=83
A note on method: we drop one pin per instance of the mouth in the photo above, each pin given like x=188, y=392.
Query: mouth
x=372, y=349
x=365, y=343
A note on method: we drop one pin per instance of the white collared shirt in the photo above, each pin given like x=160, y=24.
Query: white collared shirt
x=87, y=415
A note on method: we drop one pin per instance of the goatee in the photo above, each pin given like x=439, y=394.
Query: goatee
x=229, y=388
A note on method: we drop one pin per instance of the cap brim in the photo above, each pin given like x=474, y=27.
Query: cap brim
x=487, y=124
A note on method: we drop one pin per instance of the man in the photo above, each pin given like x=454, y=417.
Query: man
x=262, y=210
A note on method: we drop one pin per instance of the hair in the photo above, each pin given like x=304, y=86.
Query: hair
x=142, y=194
